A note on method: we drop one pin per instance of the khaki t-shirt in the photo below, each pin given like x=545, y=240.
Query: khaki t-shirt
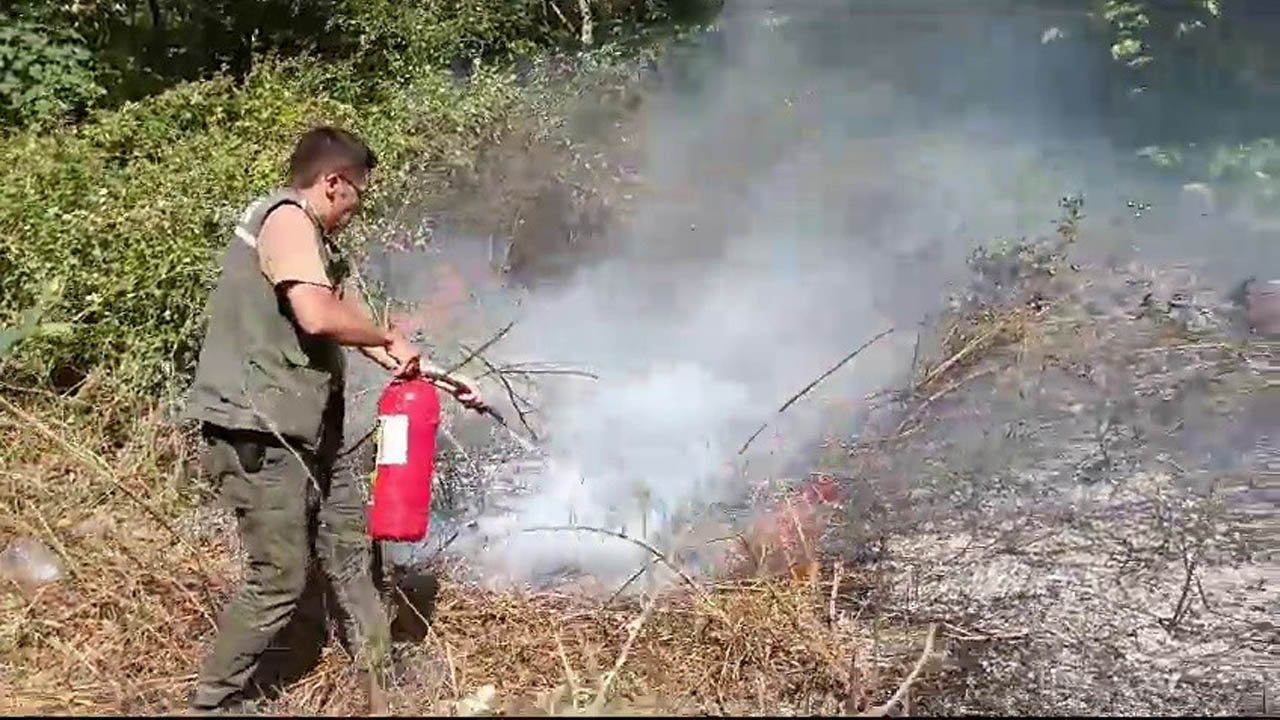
x=289, y=252
x=289, y=249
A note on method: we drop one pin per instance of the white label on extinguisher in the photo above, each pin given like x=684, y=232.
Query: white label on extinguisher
x=393, y=439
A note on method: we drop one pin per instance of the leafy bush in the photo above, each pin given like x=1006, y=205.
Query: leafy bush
x=130, y=211
x=44, y=75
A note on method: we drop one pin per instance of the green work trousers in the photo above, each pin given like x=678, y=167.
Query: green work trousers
x=291, y=507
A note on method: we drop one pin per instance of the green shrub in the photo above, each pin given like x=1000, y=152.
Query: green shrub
x=45, y=75
x=130, y=211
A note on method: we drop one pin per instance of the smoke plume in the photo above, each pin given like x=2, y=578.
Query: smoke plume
x=814, y=172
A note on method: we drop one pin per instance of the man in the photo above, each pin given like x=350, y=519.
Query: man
x=268, y=392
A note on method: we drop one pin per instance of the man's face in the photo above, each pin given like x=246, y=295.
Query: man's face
x=343, y=190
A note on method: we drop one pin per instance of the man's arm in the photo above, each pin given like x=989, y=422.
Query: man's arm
x=289, y=255
x=353, y=299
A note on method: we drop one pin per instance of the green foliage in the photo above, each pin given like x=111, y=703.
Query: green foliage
x=1006, y=264
x=1138, y=26
x=136, y=49
x=403, y=36
x=30, y=324
x=45, y=75
x=130, y=211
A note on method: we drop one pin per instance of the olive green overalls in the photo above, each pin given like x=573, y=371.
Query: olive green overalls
x=270, y=402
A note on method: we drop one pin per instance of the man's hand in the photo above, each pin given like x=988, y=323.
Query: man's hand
x=405, y=356
x=462, y=388
x=466, y=391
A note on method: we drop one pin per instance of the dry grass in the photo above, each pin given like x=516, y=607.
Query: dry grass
x=125, y=628
x=121, y=631
x=771, y=646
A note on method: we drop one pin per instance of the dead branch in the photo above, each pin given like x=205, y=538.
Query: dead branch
x=473, y=354
x=964, y=352
x=885, y=709
x=588, y=26
x=634, y=576
x=511, y=392
x=939, y=395
x=556, y=9
x=835, y=589
x=568, y=671
x=794, y=398
x=598, y=705
x=508, y=370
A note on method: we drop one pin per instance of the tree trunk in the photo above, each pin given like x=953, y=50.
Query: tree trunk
x=157, y=18
x=588, y=25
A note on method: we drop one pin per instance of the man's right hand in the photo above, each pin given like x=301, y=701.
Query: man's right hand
x=406, y=356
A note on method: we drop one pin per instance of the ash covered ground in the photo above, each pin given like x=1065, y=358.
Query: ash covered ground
x=1088, y=504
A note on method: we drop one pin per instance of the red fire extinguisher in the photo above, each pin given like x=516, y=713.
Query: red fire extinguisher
x=408, y=417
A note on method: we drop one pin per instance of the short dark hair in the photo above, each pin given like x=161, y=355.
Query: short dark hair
x=325, y=149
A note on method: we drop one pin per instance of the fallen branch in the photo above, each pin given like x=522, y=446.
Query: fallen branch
x=794, y=398
x=910, y=680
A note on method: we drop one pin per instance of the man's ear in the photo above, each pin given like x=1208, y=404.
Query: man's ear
x=329, y=182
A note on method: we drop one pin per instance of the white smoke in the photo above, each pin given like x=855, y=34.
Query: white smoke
x=815, y=173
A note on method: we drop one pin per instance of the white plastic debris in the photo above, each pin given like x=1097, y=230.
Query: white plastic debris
x=30, y=563
x=479, y=702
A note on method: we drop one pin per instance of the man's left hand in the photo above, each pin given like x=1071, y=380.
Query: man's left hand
x=466, y=391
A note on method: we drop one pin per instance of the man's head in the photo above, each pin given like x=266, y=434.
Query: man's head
x=330, y=167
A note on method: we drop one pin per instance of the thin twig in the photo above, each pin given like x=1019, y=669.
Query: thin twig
x=647, y=564
x=508, y=370
x=884, y=709
x=511, y=394
x=602, y=697
x=812, y=385
x=473, y=354
x=555, y=8
x=962, y=354
x=835, y=589
x=279, y=436
x=657, y=554
x=939, y=395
